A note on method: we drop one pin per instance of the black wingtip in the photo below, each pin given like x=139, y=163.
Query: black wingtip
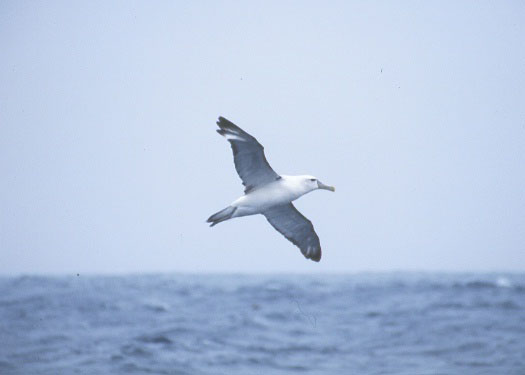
x=316, y=257
x=223, y=122
x=226, y=124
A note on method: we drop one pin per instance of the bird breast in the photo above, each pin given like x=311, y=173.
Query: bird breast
x=272, y=194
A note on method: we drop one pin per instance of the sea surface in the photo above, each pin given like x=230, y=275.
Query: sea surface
x=377, y=323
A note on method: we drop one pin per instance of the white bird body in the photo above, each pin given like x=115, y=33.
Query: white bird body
x=279, y=192
x=268, y=193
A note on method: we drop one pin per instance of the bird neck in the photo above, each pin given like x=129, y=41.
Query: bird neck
x=296, y=185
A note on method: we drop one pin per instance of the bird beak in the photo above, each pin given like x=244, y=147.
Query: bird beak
x=320, y=185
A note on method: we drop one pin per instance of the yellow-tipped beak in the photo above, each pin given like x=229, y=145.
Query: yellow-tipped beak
x=325, y=187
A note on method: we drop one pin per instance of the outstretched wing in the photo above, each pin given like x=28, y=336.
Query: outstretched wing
x=248, y=156
x=296, y=228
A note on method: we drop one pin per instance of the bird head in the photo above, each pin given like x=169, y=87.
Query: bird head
x=313, y=184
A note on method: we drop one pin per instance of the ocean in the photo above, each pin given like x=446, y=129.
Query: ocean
x=373, y=323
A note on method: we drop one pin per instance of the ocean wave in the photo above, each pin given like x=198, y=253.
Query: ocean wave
x=392, y=323
x=155, y=339
x=496, y=283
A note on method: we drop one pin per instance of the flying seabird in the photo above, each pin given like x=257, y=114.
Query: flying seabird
x=268, y=193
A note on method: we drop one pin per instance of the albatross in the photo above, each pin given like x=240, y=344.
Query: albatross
x=269, y=193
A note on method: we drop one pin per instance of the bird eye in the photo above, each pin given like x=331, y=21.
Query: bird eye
x=312, y=179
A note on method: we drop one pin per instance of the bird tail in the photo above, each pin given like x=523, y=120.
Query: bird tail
x=222, y=215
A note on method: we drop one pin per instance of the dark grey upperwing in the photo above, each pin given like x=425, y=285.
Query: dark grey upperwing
x=296, y=228
x=248, y=156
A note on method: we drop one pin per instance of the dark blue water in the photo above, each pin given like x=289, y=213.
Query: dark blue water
x=209, y=324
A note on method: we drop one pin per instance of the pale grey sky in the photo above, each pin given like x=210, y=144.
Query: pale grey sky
x=110, y=161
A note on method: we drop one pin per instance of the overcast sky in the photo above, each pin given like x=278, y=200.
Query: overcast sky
x=109, y=159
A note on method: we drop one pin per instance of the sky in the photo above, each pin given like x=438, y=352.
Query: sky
x=110, y=163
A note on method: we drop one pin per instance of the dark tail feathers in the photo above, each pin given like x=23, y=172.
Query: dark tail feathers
x=222, y=215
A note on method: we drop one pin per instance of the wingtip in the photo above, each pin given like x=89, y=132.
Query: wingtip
x=316, y=257
x=221, y=121
x=226, y=124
